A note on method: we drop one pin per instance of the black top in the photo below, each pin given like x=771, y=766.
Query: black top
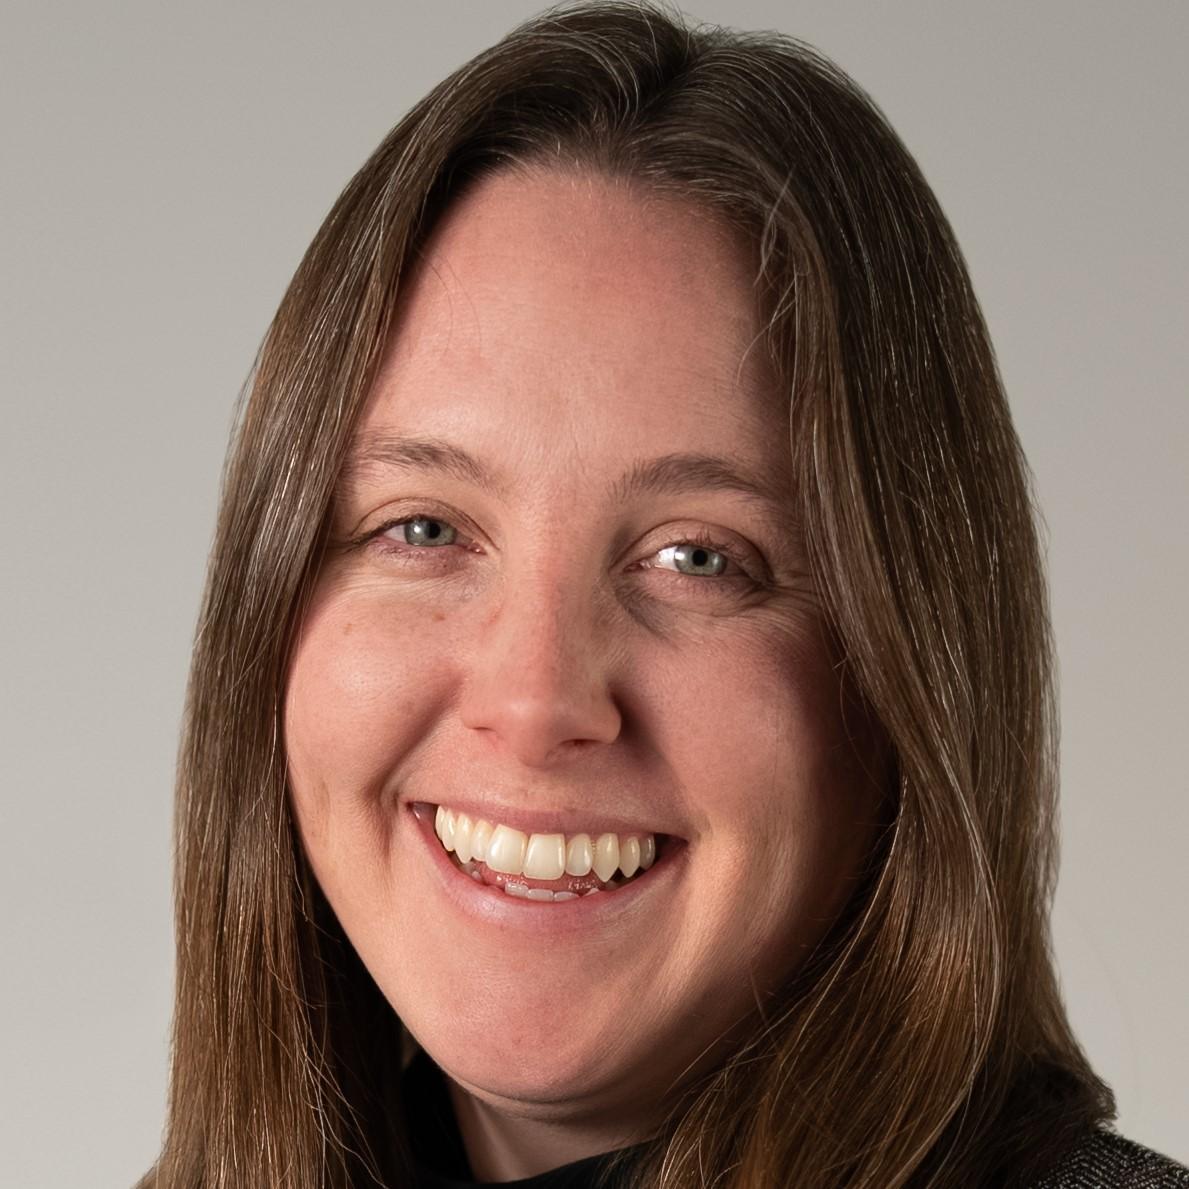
x=1103, y=1160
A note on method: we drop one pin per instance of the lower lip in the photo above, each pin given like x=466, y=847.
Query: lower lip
x=489, y=904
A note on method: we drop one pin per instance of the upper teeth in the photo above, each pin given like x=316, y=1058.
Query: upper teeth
x=543, y=856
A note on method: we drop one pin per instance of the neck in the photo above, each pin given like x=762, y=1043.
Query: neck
x=505, y=1144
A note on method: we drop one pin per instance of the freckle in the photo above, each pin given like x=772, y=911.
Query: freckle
x=347, y=629
x=438, y=616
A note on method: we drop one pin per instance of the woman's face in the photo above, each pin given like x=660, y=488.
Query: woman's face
x=533, y=653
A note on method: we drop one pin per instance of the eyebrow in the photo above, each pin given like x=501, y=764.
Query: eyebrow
x=669, y=474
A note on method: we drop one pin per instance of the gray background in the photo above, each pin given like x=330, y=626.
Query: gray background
x=163, y=167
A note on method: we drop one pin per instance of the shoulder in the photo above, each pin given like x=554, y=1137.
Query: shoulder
x=1106, y=1160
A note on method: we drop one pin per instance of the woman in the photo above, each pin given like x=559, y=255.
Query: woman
x=619, y=743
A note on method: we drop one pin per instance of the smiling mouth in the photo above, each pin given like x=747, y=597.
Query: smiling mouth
x=545, y=867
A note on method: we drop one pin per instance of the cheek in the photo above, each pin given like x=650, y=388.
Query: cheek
x=757, y=729
x=776, y=786
x=357, y=700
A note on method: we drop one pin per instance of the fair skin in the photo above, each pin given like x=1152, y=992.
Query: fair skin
x=552, y=659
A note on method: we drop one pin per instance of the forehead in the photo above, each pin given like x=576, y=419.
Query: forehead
x=586, y=312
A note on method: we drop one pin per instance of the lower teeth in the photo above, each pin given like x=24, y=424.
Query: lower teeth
x=524, y=892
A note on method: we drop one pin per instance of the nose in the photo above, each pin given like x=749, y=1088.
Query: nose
x=539, y=677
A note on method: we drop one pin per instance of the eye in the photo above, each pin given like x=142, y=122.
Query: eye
x=411, y=540
x=424, y=530
x=696, y=556
x=702, y=558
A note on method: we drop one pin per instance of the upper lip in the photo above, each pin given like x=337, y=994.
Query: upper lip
x=548, y=821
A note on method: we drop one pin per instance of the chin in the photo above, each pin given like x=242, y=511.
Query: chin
x=527, y=1053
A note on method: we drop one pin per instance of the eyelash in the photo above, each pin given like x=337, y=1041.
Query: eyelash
x=699, y=538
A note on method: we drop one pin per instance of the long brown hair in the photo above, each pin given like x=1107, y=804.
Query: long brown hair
x=926, y=1042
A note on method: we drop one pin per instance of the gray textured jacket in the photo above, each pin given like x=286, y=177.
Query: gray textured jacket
x=1105, y=1160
